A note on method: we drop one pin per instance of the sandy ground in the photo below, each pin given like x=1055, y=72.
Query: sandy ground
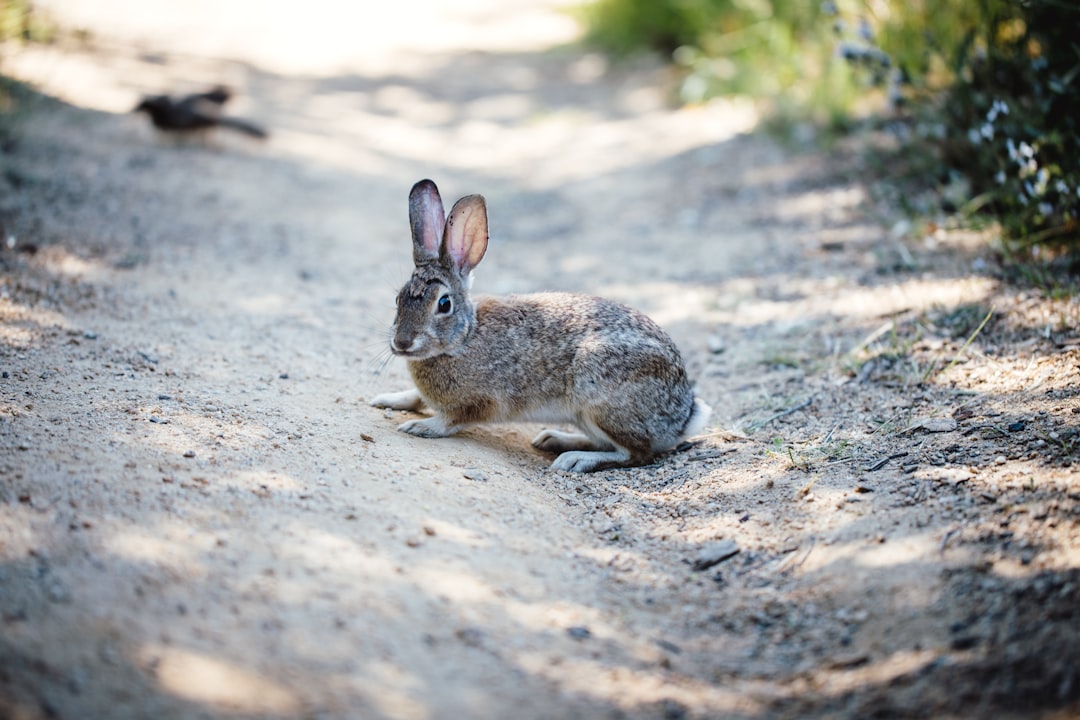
x=201, y=517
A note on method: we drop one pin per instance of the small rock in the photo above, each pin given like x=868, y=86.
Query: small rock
x=953, y=476
x=429, y=531
x=1016, y=426
x=715, y=345
x=471, y=636
x=933, y=424
x=474, y=474
x=715, y=553
x=1000, y=460
x=964, y=642
x=668, y=646
x=189, y=453
x=848, y=661
x=579, y=632
x=366, y=438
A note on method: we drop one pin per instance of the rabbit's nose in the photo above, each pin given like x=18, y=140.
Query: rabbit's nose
x=403, y=345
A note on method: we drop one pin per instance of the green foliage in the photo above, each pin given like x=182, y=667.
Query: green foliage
x=991, y=87
x=1012, y=122
x=764, y=48
x=20, y=21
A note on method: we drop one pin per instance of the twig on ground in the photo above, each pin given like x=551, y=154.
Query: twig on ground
x=782, y=413
x=710, y=454
x=875, y=466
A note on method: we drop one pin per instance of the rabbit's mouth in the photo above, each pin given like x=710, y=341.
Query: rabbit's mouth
x=417, y=349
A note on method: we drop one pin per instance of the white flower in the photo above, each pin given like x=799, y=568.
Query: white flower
x=974, y=136
x=1000, y=177
x=998, y=108
x=1046, y=209
x=865, y=31
x=987, y=131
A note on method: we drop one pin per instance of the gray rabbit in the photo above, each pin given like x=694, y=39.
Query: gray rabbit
x=557, y=358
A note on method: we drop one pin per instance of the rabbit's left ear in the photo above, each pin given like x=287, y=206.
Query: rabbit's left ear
x=466, y=236
x=426, y=220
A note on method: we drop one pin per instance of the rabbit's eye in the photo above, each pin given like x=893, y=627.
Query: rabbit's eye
x=446, y=305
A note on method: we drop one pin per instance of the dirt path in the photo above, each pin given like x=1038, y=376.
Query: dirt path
x=200, y=516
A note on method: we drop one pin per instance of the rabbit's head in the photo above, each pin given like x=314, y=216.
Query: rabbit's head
x=434, y=312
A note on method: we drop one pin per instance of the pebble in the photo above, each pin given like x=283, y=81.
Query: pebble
x=715, y=553
x=189, y=454
x=474, y=474
x=579, y=632
x=934, y=424
x=668, y=646
x=471, y=636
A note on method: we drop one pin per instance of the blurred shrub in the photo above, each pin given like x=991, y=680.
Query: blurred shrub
x=764, y=48
x=990, y=87
x=1012, y=120
x=20, y=21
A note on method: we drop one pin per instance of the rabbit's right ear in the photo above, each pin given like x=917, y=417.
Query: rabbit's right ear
x=427, y=219
x=466, y=238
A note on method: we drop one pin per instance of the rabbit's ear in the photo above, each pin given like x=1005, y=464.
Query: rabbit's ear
x=466, y=237
x=426, y=217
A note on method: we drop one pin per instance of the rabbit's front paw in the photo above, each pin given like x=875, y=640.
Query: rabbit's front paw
x=404, y=400
x=582, y=461
x=432, y=427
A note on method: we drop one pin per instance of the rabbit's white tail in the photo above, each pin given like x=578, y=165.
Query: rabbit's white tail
x=698, y=419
